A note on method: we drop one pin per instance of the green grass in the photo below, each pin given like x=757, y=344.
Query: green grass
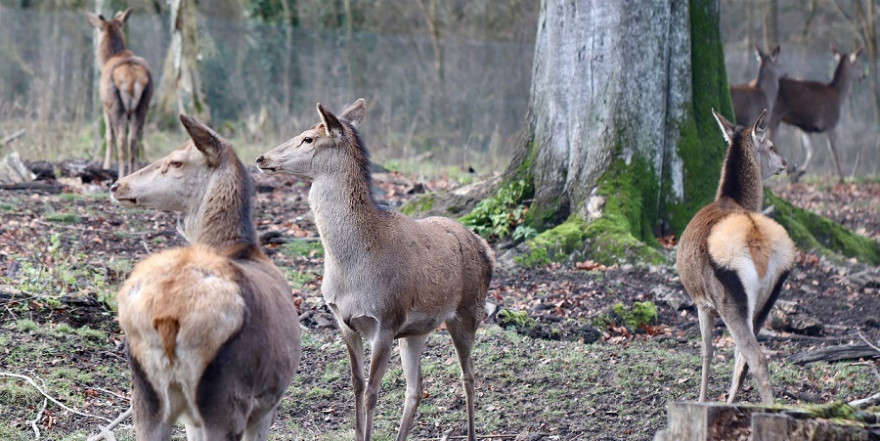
x=63, y=217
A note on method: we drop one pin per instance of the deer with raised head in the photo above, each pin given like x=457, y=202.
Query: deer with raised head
x=732, y=259
x=213, y=333
x=814, y=107
x=386, y=276
x=125, y=90
x=749, y=100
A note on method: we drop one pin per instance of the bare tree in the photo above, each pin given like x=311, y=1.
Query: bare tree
x=180, y=90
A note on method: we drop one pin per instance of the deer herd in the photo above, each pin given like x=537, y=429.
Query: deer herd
x=213, y=337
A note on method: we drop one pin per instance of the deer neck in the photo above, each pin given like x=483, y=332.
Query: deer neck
x=109, y=46
x=741, y=174
x=842, y=79
x=768, y=83
x=346, y=216
x=224, y=217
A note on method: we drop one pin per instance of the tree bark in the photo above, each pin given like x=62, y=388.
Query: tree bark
x=771, y=27
x=180, y=90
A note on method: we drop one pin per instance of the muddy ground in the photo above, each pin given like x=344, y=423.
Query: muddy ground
x=62, y=256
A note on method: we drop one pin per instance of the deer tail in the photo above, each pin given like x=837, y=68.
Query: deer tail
x=167, y=328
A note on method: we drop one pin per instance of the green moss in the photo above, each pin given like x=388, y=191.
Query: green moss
x=519, y=320
x=66, y=218
x=419, y=204
x=812, y=232
x=555, y=244
x=639, y=314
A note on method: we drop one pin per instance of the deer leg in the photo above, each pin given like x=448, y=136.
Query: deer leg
x=355, y=345
x=108, y=140
x=258, y=429
x=462, y=334
x=134, y=133
x=832, y=145
x=380, y=352
x=740, y=369
x=121, y=143
x=411, y=349
x=748, y=347
x=707, y=321
x=795, y=172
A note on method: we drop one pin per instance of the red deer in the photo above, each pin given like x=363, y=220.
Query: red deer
x=125, y=89
x=213, y=334
x=732, y=259
x=749, y=100
x=386, y=276
x=814, y=107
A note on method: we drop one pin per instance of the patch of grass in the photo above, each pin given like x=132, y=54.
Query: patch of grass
x=73, y=197
x=62, y=217
x=299, y=279
x=302, y=248
x=518, y=320
x=26, y=325
x=63, y=329
x=8, y=207
x=91, y=334
x=639, y=314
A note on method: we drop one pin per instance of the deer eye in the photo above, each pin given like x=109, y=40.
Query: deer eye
x=176, y=164
x=307, y=140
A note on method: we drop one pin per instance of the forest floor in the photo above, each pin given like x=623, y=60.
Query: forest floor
x=62, y=257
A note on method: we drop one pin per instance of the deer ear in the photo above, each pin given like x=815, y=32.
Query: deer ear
x=122, y=16
x=206, y=140
x=835, y=53
x=332, y=126
x=759, y=130
x=727, y=128
x=95, y=21
x=775, y=52
x=855, y=55
x=354, y=114
x=758, y=54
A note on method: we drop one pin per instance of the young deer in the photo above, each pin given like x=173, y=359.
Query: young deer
x=213, y=335
x=125, y=90
x=732, y=259
x=386, y=276
x=815, y=107
x=749, y=100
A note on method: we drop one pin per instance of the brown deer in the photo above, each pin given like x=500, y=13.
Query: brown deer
x=386, y=276
x=749, y=100
x=213, y=334
x=814, y=107
x=125, y=89
x=732, y=259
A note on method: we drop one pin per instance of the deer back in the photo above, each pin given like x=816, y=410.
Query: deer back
x=750, y=99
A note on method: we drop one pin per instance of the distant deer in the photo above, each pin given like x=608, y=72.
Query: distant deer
x=125, y=90
x=732, y=259
x=386, y=276
x=213, y=334
x=749, y=100
x=815, y=107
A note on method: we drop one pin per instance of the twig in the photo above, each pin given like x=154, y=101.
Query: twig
x=41, y=391
x=106, y=431
x=110, y=392
x=39, y=414
x=500, y=436
x=866, y=402
x=144, y=243
x=862, y=336
x=14, y=317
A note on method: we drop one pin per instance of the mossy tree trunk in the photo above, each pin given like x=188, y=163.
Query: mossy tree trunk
x=612, y=149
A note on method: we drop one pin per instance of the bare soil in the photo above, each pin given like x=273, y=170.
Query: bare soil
x=63, y=255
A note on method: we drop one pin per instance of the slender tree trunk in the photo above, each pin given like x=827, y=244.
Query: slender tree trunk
x=180, y=90
x=771, y=27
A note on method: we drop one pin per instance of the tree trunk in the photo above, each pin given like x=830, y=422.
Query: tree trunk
x=612, y=142
x=771, y=28
x=180, y=90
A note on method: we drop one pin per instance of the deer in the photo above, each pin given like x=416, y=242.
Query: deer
x=759, y=94
x=213, y=333
x=732, y=259
x=126, y=87
x=386, y=276
x=814, y=107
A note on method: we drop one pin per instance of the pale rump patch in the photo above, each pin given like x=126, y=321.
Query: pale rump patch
x=752, y=236
x=177, y=308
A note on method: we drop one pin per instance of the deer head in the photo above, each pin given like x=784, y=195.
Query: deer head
x=321, y=149
x=111, y=38
x=770, y=69
x=849, y=63
x=177, y=182
x=769, y=159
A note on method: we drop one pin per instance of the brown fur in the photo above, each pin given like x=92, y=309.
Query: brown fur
x=125, y=89
x=749, y=100
x=732, y=260
x=386, y=275
x=212, y=331
x=815, y=107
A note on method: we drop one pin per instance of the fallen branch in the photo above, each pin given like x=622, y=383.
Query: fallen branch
x=836, y=353
x=39, y=414
x=500, y=436
x=12, y=137
x=866, y=402
x=41, y=391
x=865, y=339
x=106, y=432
